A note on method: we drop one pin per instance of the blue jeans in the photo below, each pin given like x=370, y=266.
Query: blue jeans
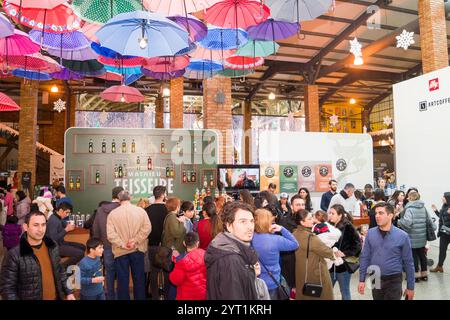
x=344, y=283
x=97, y=297
x=135, y=261
x=110, y=270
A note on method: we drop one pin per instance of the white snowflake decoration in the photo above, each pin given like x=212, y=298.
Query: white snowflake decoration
x=405, y=39
x=149, y=109
x=103, y=117
x=355, y=47
x=334, y=120
x=59, y=105
x=387, y=121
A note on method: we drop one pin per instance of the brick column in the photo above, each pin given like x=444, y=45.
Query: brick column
x=218, y=116
x=176, y=102
x=312, y=110
x=159, y=112
x=247, y=108
x=433, y=35
x=28, y=130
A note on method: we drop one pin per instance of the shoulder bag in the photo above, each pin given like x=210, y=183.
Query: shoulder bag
x=282, y=292
x=431, y=235
x=312, y=289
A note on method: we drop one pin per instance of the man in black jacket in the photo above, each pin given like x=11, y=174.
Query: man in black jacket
x=230, y=259
x=57, y=231
x=32, y=270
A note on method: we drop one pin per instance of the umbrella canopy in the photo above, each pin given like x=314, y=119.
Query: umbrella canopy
x=178, y=7
x=100, y=11
x=89, y=30
x=66, y=74
x=108, y=53
x=65, y=41
x=111, y=76
x=243, y=63
x=218, y=55
x=223, y=39
x=230, y=73
x=132, y=78
x=42, y=4
x=166, y=64
x=83, y=67
x=32, y=75
x=78, y=54
x=258, y=48
x=59, y=19
x=122, y=93
x=124, y=71
x=120, y=62
x=272, y=30
x=298, y=10
x=237, y=13
x=197, y=30
x=33, y=62
x=6, y=27
x=17, y=44
x=143, y=34
x=7, y=104
x=204, y=65
x=199, y=75
x=190, y=49
x=163, y=75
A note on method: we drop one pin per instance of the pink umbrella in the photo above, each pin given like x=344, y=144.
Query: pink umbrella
x=130, y=62
x=243, y=63
x=237, y=13
x=166, y=64
x=177, y=7
x=34, y=62
x=42, y=4
x=89, y=30
x=18, y=44
x=7, y=104
x=111, y=76
x=207, y=54
x=122, y=93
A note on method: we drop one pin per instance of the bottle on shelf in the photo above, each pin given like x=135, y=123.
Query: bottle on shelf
x=163, y=146
x=205, y=182
x=91, y=146
x=194, y=176
x=172, y=171
x=97, y=177
x=113, y=146
x=216, y=192
x=116, y=171
x=103, y=146
x=124, y=146
x=167, y=171
x=71, y=183
x=211, y=181
x=184, y=176
x=133, y=147
x=78, y=183
x=195, y=147
x=138, y=163
x=178, y=147
x=149, y=163
x=188, y=176
x=120, y=171
x=125, y=172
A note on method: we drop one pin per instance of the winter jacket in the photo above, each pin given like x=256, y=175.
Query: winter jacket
x=230, y=269
x=414, y=222
x=20, y=276
x=444, y=216
x=268, y=246
x=287, y=260
x=343, y=199
x=55, y=229
x=22, y=208
x=349, y=243
x=11, y=235
x=204, y=233
x=189, y=276
x=99, y=226
x=9, y=203
x=326, y=199
x=174, y=233
x=157, y=212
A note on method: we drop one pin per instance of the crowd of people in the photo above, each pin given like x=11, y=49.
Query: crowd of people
x=255, y=248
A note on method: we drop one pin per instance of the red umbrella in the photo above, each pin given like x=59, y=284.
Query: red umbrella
x=43, y=4
x=243, y=63
x=118, y=63
x=35, y=61
x=237, y=13
x=111, y=76
x=205, y=54
x=122, y=93
x=166, y=64
x=7, y=104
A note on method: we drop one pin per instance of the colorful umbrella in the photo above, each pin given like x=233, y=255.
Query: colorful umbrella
x=124, y=71
x=122, y=93
x=204, y=65
x=120, y=62
x=32, y=75
x=33, y=62
x=101, y=11
x=65, y=41
x=108, y=53
x=59, y=19
x=132, y=78
x=42, y=4
x=111, y=76
x=230, y=73
x=258, y=48
x=237, y=13
x=199, y=75
x=17, y=44
x=298, y=10
x=178, y=7
x=163, y=75
x=272, y=30
x=197, y=30
x=243, y=63
x=166, y=64
x=6, y=27
x=78, y=54
x=89, y=30
x=188, y=50
x=143, y=34
x=218, y=55
x=66, y=74
x=223, y=39
x=88, y=67
x=7, y=104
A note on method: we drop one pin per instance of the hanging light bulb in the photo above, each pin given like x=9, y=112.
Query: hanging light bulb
x=54, y=89
x=352, y=101
x=122, y=99
x=359, y=61
x=166, y=92
x=143, y=42
x=272, y=96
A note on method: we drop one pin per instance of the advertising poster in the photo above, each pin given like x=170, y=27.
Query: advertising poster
x=324, y=174
x=270, y=172
x=289, y=178
x=307, y=175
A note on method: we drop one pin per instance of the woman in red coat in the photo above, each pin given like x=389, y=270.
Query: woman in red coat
x=189, y=274
x=206, y=225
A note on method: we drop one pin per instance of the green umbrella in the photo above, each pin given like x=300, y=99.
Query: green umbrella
x=100, y=11
x=258, y=48
x=88, y=67
x=230, y=73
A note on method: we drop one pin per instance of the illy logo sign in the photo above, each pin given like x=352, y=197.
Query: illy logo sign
x=433, y=84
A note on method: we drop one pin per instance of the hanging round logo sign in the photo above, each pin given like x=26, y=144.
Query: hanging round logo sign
x=288, y=172
x=341, y=165
x=269, y=172
x=323, y=171
x=306, y=171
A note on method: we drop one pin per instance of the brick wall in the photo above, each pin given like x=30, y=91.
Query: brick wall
x=433, y=35
x=312, y=109
x=176, y=102
x=218, y=116
x=159, y=112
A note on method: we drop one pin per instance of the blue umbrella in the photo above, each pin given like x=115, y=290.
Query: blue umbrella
x=32, y=75
x=204, y=65
x=108, y=53
x=125, y=71
x=192, y=47
x=129, y=79
x=143, y=34
x=223, y=39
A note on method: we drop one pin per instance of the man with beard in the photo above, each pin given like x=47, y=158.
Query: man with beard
x=326, y=197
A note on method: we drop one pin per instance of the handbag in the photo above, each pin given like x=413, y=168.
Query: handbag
x=431, y=235
x=282, y=291
x=312, y=289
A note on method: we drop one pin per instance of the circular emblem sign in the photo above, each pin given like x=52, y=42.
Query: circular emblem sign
x=306, y=171
x=269, y=172
x=288, y=172
x=323, y=171
x=341, y=165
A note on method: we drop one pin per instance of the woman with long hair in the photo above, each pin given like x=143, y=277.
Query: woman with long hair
x=246, y=197
x=305, y=195
x=397, y=200
x=205, y=226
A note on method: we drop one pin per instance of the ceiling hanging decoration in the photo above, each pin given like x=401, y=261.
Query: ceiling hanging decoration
x=405, y=40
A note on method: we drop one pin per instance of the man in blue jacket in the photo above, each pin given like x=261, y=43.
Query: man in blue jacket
x=387, y=252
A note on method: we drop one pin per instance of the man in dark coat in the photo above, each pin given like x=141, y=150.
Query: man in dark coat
x=32, y=270
x=230, y=259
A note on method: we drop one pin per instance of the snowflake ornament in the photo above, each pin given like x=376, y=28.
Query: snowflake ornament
x=355, y=47
x=149, y=109
x=387, y=121
x=59, y=105
x=405, y=39
x=334, y=120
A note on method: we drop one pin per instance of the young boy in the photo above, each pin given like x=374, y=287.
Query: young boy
x=327, y=233
x=91, y=271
